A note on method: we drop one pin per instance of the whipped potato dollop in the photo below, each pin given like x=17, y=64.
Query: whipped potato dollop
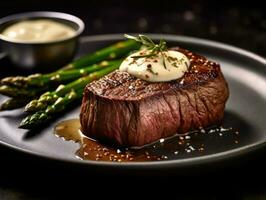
x=161, y=67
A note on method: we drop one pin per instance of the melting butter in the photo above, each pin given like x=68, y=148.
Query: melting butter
x=164, y=66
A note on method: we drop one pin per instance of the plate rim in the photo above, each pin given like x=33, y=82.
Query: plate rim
x=166, y=163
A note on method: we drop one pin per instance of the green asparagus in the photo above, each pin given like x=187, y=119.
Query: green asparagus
x=11, y=104
x=111, y=52
x=52, y=96
x=43, y=116
x=39, y=80
x=15, y=92
x=72, y=78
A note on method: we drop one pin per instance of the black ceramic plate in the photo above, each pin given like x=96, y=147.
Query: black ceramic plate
x=245, y=111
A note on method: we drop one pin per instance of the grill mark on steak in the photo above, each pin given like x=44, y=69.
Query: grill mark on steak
x=201, y=71
x=132, y=112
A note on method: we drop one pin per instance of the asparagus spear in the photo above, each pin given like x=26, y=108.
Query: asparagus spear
x=74, y=93
x=17, y=81
x=43, y=116
x=11, y=104
x=39, y=80
x=15, y=92
x=52, y=96
x=111, y=52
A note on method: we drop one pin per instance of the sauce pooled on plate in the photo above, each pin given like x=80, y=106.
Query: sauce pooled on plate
x=176, y=147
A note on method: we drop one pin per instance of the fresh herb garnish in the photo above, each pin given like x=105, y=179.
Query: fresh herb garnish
x=152, y=72
x=155, y=49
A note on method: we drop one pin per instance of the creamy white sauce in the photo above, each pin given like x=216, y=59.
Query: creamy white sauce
x=171, y=65
x=42, y=30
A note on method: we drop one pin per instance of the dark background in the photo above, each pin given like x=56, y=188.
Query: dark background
x=239, y=23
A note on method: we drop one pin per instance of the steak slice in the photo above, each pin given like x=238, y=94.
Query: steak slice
x=128, y=111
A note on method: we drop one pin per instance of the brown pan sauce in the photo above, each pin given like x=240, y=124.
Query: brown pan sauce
x=178, y=146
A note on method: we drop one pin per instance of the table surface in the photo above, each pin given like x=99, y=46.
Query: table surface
x=25, y=177
x=240, y=25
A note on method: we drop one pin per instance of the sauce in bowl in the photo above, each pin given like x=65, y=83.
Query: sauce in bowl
x=42, y=30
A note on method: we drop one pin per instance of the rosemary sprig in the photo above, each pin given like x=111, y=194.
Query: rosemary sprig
x=144, y=56
x=155, y=49
x=147, y=42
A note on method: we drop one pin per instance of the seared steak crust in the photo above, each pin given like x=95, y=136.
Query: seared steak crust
x=132, y=112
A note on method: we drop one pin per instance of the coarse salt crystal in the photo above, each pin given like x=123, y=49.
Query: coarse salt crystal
x=188, y=150
x=202, y=131
x=192, y=148
x=187, y=137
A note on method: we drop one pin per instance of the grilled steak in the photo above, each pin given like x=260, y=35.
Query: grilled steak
x=128, y=111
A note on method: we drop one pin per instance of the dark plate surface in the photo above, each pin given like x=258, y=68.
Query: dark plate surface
x=245, y=111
